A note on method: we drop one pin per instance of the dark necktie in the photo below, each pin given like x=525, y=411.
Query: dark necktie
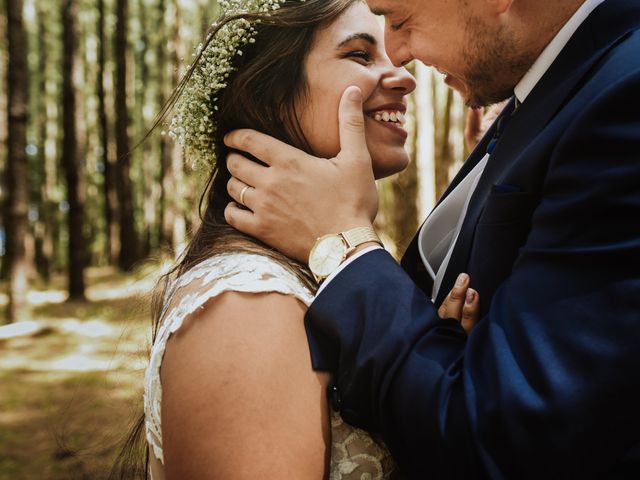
x=506, y=115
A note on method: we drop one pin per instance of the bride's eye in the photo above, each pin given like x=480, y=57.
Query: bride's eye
x=359, y=54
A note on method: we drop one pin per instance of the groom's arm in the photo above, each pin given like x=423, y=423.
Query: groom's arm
x=546, y=386
x=547, y=383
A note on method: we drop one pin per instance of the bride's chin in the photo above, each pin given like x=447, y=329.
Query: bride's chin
x=385, y=167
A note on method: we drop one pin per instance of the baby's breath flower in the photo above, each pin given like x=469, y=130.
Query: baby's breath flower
x=194, y=123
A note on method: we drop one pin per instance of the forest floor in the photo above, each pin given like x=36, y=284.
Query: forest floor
x=71, y=383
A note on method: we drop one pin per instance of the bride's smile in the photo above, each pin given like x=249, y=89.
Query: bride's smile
x=351, y=51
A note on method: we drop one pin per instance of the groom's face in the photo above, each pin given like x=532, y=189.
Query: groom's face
x=465, y=40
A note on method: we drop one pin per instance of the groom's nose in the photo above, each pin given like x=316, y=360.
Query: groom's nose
x=397, y=47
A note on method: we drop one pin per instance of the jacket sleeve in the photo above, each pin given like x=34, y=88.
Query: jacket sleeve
x=547, y=384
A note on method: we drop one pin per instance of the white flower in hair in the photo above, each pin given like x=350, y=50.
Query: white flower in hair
x=193, y=124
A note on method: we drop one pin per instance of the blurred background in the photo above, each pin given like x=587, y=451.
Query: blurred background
x=86, y=230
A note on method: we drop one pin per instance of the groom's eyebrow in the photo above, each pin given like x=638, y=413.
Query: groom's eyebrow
x=359, y=36
x=380, y=11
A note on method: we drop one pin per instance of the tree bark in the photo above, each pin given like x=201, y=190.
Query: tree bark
x=109, y=190
x=70, y=155
x=17, y=197
x=171, y=168
x=445, y=157
x=4, y=115
x=148, y=168
x=405, y=186
x=43, y=242
x=128, y=237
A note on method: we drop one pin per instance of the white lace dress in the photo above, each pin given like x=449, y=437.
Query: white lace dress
x=354, y=454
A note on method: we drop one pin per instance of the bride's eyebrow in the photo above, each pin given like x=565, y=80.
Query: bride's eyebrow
x=359, y=36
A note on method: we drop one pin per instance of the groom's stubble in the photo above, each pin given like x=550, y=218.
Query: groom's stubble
x=496, y=61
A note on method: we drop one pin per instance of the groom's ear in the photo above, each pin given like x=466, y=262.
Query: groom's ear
x=499, y=6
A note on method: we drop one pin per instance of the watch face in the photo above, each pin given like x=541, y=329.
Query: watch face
x=327, y=255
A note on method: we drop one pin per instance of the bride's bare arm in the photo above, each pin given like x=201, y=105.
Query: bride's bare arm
x=240, y=400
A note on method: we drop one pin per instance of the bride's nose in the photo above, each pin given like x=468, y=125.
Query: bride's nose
x=398, y=78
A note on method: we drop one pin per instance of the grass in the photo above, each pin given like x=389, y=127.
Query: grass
x=69, y=393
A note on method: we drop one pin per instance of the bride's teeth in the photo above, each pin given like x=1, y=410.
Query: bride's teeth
x=394, y=117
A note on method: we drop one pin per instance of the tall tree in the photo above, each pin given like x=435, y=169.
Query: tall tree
x=444, y=152
x=173, y=230
x=405, y=186
x=3, y=130
x=109, y=181
x=71, y=155
x=129, y=249
x=148, y=165
x=17, y=196
x=399, y=194
x=40, y=193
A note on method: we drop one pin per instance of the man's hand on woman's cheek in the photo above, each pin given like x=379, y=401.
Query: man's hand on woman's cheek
x=297, y=198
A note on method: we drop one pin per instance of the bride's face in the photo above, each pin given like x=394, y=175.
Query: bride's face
x=351, y=51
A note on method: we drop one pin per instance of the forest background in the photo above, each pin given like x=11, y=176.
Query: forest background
x=90, y=217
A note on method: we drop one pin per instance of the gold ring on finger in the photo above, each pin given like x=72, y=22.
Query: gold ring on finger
x=242, y=192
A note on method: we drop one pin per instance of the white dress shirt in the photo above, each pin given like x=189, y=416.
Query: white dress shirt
x=439, y=233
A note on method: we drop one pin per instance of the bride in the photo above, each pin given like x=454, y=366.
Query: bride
x=229, y=391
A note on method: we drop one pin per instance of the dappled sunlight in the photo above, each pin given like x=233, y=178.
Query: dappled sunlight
x=79, y=363
x=141, y=287
x=92, y=328
x=72, y=378
x=36, y=298
x=20, y=329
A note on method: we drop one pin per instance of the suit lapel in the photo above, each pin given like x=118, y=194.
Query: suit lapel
x=550, y=94
x=411, y=260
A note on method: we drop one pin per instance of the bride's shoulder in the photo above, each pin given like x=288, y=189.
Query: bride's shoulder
x=245, y=272
x=240, y=272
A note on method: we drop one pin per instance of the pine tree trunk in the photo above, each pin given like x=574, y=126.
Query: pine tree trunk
x=4, y=115
x=70, y=155
x=43, y=249
x=128, y=238
x=172, y=220
x=109, y=189
x=16, y=202
x=444, y=158
x=148, y=168
x=166, y=221
x=405, y=187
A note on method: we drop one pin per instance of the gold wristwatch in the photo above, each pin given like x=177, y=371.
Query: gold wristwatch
x=331, y=250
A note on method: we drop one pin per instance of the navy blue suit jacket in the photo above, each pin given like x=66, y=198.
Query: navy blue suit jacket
x=547, y=385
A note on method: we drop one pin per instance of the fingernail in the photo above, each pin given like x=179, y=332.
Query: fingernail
x=355, y=95
x=461, y=279
x=471, y=294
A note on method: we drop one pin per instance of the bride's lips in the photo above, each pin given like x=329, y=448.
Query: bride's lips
x=392, y=126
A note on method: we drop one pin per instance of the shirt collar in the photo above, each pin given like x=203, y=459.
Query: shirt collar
x=552, y=50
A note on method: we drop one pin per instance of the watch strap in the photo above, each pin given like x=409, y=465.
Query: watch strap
x=358, y=236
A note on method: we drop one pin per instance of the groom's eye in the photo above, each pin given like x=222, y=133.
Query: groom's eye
x=397, y=26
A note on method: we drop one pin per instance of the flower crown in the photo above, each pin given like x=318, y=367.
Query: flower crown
x=193, y=124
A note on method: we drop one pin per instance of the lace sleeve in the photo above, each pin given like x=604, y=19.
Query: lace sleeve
x=241, y=272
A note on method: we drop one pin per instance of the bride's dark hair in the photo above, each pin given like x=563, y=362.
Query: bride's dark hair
x=262, y=94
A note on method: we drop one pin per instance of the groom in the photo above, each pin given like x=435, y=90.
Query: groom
x=544, y=216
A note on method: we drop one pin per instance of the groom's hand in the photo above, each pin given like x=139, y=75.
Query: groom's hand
x=297, y=197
